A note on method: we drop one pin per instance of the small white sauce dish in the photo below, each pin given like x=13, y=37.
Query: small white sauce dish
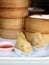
x=6, y=47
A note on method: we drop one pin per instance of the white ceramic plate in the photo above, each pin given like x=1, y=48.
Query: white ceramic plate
x=15, y=59
x=18, y=53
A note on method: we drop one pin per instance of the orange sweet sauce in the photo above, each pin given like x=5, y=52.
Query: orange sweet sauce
x=6, y=46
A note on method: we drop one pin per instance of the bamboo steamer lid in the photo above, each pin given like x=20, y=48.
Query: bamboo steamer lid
x=13, y=13
x=37, y=24
x=12, y=24
x=14, y=3
x=29, y=36
x=9, y=34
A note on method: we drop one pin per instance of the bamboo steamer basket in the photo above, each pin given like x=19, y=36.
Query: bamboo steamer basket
x=29, y=36
x=10, y=34
x=37, y=25
x=14, y=3
x=12, y=24
x=13, y=13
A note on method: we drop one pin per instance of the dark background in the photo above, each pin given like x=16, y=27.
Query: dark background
x=44, y=4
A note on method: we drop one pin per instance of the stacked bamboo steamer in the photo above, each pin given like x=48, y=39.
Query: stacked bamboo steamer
x=14, y=3
x=37, y=23
x=12, y=13
x=14, y=8
x=9, y=27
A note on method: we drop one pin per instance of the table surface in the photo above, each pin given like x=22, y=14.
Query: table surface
x=24, y=61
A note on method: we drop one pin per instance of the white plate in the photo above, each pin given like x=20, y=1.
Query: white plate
x=15, y=59
x=18, y=53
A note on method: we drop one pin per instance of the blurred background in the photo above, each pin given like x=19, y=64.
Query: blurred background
x=39, y=7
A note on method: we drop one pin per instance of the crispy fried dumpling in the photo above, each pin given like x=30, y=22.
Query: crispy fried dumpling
x=38, y=40
x=22, y=44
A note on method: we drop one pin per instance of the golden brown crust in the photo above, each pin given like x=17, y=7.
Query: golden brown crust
x=22, y=44
x=46, y=37
x=29, y=36
x=38, y=40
